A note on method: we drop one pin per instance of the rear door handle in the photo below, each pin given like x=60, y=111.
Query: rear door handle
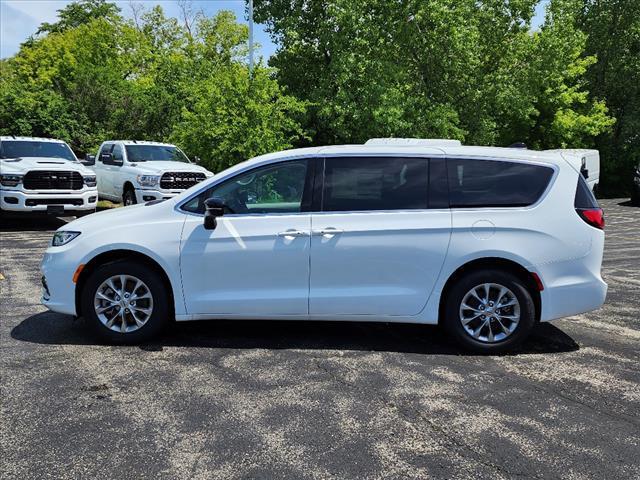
x=293, y=233
x=328, y=231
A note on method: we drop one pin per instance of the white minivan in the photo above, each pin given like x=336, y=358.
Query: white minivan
x=487, y=241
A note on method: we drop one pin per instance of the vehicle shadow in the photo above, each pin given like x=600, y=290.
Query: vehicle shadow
x=40, y=223
x=55, y=329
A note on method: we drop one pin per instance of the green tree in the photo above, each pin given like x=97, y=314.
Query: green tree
x=80, y=13
x=613, y=29
x=466, y=69
x=86, y=80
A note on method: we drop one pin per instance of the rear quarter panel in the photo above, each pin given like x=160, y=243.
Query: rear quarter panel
x=538, y=237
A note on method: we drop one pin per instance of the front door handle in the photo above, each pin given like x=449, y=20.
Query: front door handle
x=292, y=233
x=328, y=231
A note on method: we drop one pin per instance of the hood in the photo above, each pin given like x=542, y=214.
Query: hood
x=116, y=216
x=24, y=164
x=159, y=167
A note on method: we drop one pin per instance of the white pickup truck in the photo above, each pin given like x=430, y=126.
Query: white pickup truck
x=131, y=171
x=585, y=160
x=42, y=175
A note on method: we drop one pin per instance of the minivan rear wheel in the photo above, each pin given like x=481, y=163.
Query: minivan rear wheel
x=489, y=311
x=125, y=302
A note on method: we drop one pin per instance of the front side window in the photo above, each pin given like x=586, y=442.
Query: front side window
x=491, y=183
x=361, y=184
x=155, y=153
x=106, y=148
x=20, y=148
x=277, y=188
x=117, y=152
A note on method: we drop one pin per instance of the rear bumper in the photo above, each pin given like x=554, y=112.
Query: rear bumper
x=572, y=287
x=572, y=299
x=24, y=202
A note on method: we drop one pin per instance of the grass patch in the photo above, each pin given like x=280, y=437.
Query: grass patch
x=107, y=205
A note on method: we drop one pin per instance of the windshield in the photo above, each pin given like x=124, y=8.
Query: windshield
x=156, y=153
x=22, y=148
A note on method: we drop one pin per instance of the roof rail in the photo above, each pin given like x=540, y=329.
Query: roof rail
x=413, y=142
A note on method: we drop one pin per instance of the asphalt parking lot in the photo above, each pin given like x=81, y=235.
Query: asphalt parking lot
x=318, y=400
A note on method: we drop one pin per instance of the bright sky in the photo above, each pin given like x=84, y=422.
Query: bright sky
x=21, y=18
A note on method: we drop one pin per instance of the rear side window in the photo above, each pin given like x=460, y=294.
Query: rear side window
x=491, y=183
x=584, y=197
x=362, y=184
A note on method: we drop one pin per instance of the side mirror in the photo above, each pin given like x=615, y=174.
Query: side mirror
x=106, y=158
x=583, y=169
x=89, y=160
x=214, y=209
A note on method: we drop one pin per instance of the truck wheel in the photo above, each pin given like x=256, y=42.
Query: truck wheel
x=129, y=197
x=489, y=311
x=125, y=302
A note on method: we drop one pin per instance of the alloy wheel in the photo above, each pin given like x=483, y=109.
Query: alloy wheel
x=489, y=312
x=123, y=303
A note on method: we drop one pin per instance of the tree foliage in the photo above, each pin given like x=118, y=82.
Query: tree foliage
x=93, y=77
x=613, y=29
x=345, y=71
x=436, y=68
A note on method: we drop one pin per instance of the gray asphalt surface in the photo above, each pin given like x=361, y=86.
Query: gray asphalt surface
x=318, y=400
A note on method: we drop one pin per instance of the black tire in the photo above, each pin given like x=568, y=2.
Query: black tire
x=635, y=197
x=456, y=294
x=129, y=197
x=155, y=322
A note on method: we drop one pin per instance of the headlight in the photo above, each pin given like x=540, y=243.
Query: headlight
x=10, y=180
x=62, y=238
x=148, y=180
x=90, y=180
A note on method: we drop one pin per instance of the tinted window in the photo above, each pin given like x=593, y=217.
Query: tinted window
x=584, y=196
x=157, y=153
x=117, y=152
x=20, y=148
x=357, y=184
x=488, y=183
x=277, y=188
x=106, y=148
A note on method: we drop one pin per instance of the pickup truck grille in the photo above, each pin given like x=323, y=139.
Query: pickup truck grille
x=180, y=180
x=52, y=180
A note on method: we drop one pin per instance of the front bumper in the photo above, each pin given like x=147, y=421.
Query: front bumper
x=147, y=195
x=58, y=289
x=37, y=201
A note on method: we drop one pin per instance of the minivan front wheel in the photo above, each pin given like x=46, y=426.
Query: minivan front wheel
x=125, y=302
x=489, y=311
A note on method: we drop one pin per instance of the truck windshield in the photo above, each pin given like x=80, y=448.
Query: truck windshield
x=27, y=148
x=155, y=153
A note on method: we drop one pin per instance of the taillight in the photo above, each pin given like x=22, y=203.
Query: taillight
x=593, y=216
